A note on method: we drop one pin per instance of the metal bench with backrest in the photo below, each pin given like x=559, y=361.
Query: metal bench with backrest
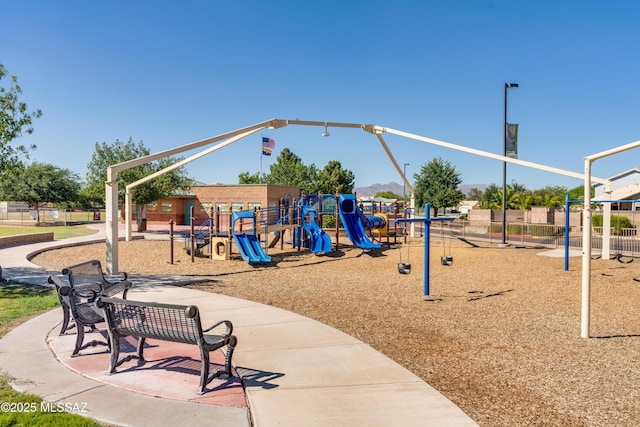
x=166, y=322
x=85, y=278
x=81, y=305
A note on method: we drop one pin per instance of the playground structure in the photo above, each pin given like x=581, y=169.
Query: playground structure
x=213, y=237
x=354, y=222
x=320, y=241
x=303, y=219
x=248, y=243
x=111, y=185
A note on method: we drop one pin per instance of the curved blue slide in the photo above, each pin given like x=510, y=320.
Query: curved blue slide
x=320, y=241
x=350, y=216
x=248, y=244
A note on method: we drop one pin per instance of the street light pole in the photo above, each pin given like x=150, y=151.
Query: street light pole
x=504, y=166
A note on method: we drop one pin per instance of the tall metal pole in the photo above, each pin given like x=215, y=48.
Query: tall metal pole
x=404, y=172
x=504, y=166
x=404, y=200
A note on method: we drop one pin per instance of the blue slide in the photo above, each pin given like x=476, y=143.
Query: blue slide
x=248, y=244
x=350, y=216
x=320, y=241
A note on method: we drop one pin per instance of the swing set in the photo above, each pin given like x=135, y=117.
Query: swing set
x=405, y=268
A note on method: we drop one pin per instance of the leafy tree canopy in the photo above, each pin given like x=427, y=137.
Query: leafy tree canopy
x=256, y=178
x=437, y=184
x=474, y=194
x=161, y=187
x=40, y=183
x=388, y=195
x=334, y=179
x=15, y=119
x=289, y=169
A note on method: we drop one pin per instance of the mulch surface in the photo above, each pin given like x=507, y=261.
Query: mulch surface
x=499, y=333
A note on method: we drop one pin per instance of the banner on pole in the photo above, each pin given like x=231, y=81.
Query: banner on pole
x=267, y=146
x=512, y=141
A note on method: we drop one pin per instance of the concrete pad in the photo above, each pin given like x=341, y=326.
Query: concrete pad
x=559, y=253
x=381, y=405
x=281, y=336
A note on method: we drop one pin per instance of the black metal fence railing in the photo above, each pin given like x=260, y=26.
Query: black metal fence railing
x=623, y=241
x=50, y=216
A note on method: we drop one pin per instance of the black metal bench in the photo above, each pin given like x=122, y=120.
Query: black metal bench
x=85, y=278
x=81, y=304
x=166, y=322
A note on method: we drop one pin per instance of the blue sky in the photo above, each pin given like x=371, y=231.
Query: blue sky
x=170, y=73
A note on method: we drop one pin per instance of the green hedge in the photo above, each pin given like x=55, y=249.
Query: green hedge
x=618, y=222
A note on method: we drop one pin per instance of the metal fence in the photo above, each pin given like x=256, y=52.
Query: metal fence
x=623, y=241
x=49, y=216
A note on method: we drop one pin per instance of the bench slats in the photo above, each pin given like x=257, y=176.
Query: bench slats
x=88, y=280
x=166, y=322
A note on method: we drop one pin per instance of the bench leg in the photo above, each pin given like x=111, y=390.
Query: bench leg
x=79, y=339
x=140, y=350
x=93, y=343
x=115, y=353
x=227, y=359
x=204, y=370
x=205, y=378
x=65, y=319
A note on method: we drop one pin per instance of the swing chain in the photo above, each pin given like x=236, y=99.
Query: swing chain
x=445, y=259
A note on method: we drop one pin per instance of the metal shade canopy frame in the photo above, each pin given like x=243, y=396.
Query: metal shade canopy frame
x=225, y=139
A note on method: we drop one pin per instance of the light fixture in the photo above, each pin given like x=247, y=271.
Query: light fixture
x=326, y=132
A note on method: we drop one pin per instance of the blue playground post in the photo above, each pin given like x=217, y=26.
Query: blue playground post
x=427, y=237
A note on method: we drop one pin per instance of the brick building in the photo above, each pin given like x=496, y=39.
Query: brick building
x=220, y=197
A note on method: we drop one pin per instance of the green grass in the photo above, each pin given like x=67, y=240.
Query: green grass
x=61, y=232
x=18, y=303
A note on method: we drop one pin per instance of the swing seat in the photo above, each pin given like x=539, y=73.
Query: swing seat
x=404, y=268
x=446, y=260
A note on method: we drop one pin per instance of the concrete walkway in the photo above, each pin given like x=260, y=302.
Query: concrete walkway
x=296, y=371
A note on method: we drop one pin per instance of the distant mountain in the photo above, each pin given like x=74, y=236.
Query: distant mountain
x=396, y=188
x=374, y=189
x=465, y=188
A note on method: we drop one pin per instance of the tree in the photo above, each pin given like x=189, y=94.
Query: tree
x=437, y=184
x=577, y=193
x=333, y=179
x=388, y=195
x=40, y=183
x=256, y=178
x=474, y=194
x=289, y=170
x=161, y=187
x=550, y=196
x=14, y=120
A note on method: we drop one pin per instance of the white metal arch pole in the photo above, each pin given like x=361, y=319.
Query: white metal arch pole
x=490, y=155
x=111, y=199
x=128, y=200
x=585, y=322
x=111, y=221
x=412, y=204
x=586, y=252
